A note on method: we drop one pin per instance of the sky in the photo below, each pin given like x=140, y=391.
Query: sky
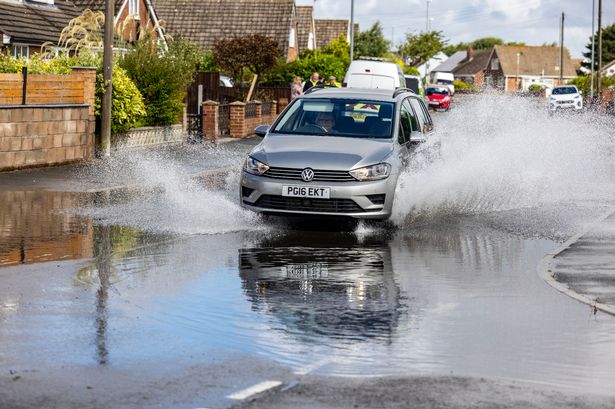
x=531, y=21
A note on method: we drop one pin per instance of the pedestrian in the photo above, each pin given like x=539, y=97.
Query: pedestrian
x=333, y=82
x=295, y=88
x=312, y=82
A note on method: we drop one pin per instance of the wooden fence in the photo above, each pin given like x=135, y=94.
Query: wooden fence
x=41, y=89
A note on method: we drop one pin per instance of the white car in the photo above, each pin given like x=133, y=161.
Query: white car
x=565, y=97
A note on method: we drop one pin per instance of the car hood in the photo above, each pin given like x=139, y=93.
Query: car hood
x=321, y=152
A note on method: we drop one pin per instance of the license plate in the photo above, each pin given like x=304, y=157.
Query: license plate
x=434, y=103
x=306, y=270
x=313, y=192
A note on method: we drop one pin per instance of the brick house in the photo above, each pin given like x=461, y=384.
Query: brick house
x=205, y=21
x=26, y=25
x=130, y=16
x=471, y=69
x=306, y=28
x=514, y=68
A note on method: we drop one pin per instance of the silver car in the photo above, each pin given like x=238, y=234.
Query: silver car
x=335, y=152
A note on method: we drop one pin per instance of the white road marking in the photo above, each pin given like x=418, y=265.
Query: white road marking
x=253, y=390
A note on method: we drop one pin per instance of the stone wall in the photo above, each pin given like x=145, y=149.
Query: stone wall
x=45, y=135
x=148, y=136
x=57, y=132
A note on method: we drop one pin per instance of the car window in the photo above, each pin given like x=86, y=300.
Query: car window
x=414, y=123
x=419, y=114
x=428, y=120
x=357, y=118
x=406, y=119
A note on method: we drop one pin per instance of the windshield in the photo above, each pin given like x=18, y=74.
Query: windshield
x=436, y=91
x=447, y=82
x=356, y=118
x=564, y=91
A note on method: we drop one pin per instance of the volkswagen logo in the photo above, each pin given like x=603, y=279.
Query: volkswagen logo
x=307, y=175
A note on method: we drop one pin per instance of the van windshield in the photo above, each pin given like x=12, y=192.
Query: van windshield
x=447, y=82
x=356, y=118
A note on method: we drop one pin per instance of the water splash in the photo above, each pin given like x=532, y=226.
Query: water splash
x=497, y=153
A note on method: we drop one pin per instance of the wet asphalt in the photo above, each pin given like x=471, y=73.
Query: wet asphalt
x=103, y=305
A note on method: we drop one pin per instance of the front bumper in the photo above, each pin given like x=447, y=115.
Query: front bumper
x=566, y=106
x=360, y=200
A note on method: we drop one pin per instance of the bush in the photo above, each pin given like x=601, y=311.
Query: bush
x=464, y=87
x=37, y=64
x=127, y=103
x=162, y=76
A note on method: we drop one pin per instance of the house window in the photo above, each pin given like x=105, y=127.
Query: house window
x=133, y=7
x=20, y=51
x=291, y=38
x=495, y=64
x=310, y=44
x=50, y=2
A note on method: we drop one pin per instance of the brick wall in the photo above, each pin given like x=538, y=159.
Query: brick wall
x=45, y=135
x=56, y=125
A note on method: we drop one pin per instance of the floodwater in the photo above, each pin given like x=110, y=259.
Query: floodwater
x=184, y=275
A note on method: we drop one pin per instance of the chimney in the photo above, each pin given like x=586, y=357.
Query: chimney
x=469, y=52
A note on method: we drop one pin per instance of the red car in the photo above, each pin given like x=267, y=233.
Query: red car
x=439, y=97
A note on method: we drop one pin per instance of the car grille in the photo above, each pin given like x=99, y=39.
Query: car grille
x=308, y=205
x=319, y=175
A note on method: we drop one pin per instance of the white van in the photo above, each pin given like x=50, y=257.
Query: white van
x=444, y=78
x=374, y=74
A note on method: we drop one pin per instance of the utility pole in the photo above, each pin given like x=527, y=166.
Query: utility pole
x=351, y=30
x=599, y=48
x=105, y=125
x=561, y=52
x=593, y=62
x=427, y=18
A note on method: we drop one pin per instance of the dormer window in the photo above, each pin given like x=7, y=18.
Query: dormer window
x=291, y=38
x=133, y=7
x=310, y=44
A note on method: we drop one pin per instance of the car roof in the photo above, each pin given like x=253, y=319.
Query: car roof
x=377, y=94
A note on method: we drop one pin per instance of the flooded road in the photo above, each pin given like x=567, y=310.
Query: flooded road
x=179, y=286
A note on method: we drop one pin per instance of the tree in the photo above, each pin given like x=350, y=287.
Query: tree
x=486, y=43
x=608, y=47
x=256, y=53
x=371, y=43
x=421, y=47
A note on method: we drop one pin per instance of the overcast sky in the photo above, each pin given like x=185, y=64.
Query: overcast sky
x=531, y=21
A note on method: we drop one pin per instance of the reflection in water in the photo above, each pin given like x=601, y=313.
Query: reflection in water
x=324, y=285
x=103, y=250
x=33, y=230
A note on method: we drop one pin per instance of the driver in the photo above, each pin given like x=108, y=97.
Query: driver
x=326, y=120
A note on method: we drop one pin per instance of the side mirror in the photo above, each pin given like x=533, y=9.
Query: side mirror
x=417, y=137
x=261, y=130
x=580, y=92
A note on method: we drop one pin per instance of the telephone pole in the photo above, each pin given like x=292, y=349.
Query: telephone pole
x=599, y=48
x=105, y=123
x=351, y=30
x=591, y=87
x=561, y=52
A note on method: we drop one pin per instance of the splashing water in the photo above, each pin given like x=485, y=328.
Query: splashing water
x=173, y=200
x=495, y=153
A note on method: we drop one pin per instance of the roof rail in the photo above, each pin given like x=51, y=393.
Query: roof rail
x=315, y=88
x=400, y=90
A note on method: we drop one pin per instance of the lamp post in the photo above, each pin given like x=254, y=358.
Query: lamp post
x=105, y=122
x=591, y=86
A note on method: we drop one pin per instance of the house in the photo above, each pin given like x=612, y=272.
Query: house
x=609, y=69
x=26, y=26
x=514, y=68
x=130, y=16
x=427, y=67
x=328, y=30
x=451, y=62
x=206, y=21
x=471, y=69
x=306, y=28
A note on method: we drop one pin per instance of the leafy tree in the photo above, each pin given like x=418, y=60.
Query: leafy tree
x=421, y=47
x=256, y=52
x=205, y=61
x=608, y=47
x=522, y=43
x=161, y=76
x=583, y=83
x=486, y=43
x=371, y=43
x=339, y=48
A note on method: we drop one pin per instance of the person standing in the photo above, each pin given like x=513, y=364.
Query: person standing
x=295, y=88
x=333, y=82
x=312, y=82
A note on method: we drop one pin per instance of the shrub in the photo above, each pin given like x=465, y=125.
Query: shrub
x=464, y=87
x=127, y=103
x=161, y=76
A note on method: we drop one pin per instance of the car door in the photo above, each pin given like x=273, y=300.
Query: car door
x=425, y=121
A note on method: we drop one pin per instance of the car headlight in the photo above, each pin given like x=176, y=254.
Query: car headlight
x=255, y=167
x=374, y=172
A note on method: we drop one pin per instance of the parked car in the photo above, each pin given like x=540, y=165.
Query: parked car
x=335, y=152
x=438, y=97
x=225, y=81
x=565, y=97
x=374, y=74
x=444, y=78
